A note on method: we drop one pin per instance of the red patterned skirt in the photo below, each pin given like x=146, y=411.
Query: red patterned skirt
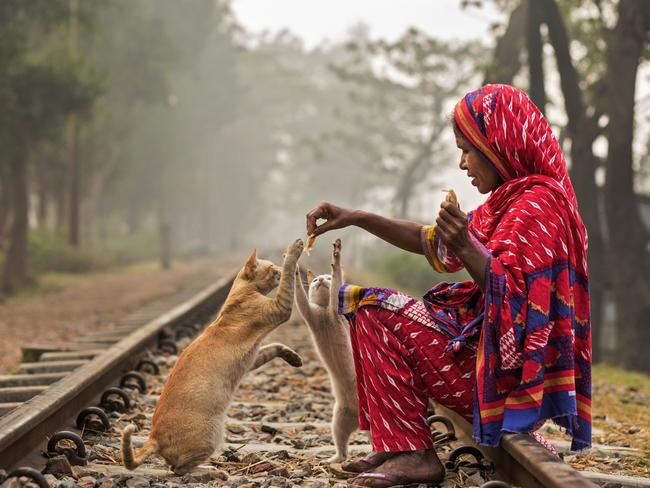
x=400, y=362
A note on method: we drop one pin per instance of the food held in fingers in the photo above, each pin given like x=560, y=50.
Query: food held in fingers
x=451, y=197
x=310, y=243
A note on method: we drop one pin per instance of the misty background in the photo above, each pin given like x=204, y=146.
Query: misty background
x=173, y=129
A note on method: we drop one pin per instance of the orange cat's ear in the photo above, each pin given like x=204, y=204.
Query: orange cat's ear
x=310, y=275
x=251, y=263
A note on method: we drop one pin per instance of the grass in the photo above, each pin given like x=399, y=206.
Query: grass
x=620, y=406
x=621, y=418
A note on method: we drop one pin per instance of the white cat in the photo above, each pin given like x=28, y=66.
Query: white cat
x=331, y=336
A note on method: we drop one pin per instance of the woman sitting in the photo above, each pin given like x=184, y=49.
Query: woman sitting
x=508, y=350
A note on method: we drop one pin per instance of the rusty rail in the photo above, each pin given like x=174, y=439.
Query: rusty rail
x=29, y=425
x=522, y=460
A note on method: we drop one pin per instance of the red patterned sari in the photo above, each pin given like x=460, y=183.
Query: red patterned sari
x=532, y=323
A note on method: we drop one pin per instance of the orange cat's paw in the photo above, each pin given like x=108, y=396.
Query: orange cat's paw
x=295, y=249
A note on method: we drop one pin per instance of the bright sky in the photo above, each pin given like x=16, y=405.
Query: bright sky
x=314, y=20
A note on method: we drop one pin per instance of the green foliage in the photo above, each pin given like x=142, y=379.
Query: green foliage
x=120, y=249
x=411, y=273
x=41, y=85
x=47, y=252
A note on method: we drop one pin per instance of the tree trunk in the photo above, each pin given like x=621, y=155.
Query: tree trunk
x=507, y=63
x=15, y=274
x=583, y=165
x=5, y=214
x=74, y=183
x=60, y=210
x=42, y=178
x=74, y=169
x=534, y=47
x=627, y=234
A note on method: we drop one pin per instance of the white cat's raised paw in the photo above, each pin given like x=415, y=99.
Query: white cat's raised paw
x=336, y=254
x=337, y=247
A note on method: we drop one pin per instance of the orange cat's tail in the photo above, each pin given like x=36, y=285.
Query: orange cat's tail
x=130, y=459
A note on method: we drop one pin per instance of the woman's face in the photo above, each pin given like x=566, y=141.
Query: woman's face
x=483, y=176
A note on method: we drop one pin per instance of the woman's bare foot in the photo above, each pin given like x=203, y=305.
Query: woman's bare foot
x=366, y=463
x=404, y=468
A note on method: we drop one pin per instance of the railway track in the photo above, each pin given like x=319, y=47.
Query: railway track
x=277, y=430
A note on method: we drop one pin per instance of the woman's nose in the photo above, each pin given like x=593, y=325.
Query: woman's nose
x=463, y=163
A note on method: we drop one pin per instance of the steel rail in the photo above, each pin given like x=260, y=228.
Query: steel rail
x=27, y=426
x=522, y=460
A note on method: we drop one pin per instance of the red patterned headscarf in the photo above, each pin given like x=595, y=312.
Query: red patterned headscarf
x=534, y=352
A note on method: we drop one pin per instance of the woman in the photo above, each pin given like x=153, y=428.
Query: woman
x=509, y=349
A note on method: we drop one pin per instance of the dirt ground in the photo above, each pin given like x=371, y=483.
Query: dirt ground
x=66, y=305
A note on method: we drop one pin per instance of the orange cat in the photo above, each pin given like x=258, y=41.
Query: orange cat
x=188, y=422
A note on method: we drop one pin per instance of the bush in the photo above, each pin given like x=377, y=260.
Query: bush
x=129, y=248
x=47, y=252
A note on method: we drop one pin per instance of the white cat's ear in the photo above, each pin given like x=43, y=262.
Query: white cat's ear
x=310, y=275
x=251, y=262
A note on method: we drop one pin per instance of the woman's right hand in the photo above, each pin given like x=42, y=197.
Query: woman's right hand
x=335, y=218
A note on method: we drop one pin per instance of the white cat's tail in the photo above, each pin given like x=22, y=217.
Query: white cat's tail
x=130, y=459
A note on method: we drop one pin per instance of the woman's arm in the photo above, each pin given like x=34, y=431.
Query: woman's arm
x=401, y=233
x=452, y=230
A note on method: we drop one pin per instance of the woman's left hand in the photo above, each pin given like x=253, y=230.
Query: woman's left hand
x=452, y=228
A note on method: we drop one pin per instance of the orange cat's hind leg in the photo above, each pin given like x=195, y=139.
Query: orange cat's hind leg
x=190, y=463
x=276, y=350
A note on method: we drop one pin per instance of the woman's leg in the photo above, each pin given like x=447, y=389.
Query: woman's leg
x=394, y=395
x=400, y=364
x=375, y=458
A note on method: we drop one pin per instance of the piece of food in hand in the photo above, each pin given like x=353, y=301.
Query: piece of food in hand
x=310, y=243
x=451, y=197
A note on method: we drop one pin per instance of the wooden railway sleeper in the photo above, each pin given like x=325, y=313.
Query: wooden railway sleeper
x=77, y=456
x=35, y=475
x=85, y=420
